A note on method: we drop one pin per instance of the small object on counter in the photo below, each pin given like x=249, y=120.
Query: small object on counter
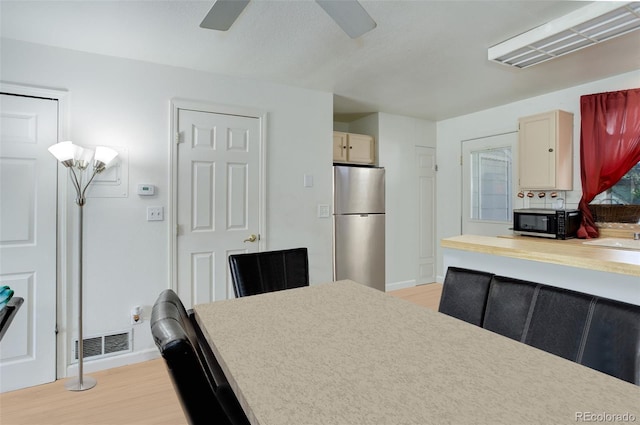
x=520, y=194
x=529, y=194
x=636, y=236
x=558, y=204
x=5, y=295
x=5, y=292
x=541, y=195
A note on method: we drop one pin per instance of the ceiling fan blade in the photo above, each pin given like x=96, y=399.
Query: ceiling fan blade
x=223, y=14
x=349, y=15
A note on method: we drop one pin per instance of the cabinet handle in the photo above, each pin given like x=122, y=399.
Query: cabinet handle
x=550, y=149
x=350, y=147
x=344, y=147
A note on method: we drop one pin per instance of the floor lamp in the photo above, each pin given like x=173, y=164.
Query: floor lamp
x=77, y=159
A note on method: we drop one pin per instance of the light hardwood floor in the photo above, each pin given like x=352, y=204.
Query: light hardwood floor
x=136, y=394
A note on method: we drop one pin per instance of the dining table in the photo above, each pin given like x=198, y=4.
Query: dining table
x=341, y=353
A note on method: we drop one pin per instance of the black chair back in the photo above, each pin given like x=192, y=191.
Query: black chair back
x=508, y=306
x=261, y=272
x=612, y=345
x=559, y=321
x=464, y=294
x=176, y=336
x=8, y=313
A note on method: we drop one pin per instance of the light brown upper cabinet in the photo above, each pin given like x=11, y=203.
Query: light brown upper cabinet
x=350, y=148
x=545, y=143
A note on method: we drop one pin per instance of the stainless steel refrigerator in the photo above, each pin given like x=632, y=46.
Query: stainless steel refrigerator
x=358, y=225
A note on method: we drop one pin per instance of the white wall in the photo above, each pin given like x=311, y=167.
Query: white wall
x=503, y=119
x=122, y=102
x=399, y=136
x=341, y=126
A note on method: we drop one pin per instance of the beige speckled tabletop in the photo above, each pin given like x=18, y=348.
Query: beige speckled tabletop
x=345, y=354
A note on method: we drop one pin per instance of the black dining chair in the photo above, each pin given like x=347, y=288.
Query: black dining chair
x=464, y=294
x=204, y=394
x=269, y=271
x=558, y=320
x=612, y=344
x=8, y=312
x=509, y=305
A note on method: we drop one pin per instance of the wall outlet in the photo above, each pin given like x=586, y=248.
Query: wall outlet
x=136, y=315
x=323, y=211
x=155, y=213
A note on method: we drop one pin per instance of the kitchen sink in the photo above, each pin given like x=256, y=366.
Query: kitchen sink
x=619, y=243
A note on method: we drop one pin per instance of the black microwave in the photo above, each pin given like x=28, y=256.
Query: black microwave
x=555, y=224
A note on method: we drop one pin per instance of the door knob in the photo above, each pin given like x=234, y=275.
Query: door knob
x=251, y=238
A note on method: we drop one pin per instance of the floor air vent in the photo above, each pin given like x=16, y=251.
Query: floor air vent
x=101, y=346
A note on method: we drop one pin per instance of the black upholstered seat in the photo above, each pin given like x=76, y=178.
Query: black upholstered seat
x=261, y=272
x=464, y=294
x=508, y=306
x=558, y=321
x=176, y=336
x=612, y=344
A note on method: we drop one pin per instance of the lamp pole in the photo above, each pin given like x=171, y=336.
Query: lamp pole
x=82, y=383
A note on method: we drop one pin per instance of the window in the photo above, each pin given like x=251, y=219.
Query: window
x=621, y=202
x=491, y=185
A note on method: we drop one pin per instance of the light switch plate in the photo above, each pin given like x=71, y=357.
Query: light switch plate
x=155, y=213
x=308, y=180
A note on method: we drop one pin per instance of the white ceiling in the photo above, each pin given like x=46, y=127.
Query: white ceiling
x=425, y=59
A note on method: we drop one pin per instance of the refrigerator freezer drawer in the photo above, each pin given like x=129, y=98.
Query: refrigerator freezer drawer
x=358, y=190
x=359, y=249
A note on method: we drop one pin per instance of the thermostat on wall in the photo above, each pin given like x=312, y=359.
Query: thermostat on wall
x=146, y=189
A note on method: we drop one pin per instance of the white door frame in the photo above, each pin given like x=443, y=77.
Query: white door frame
x=177, y=104
x=62, y=265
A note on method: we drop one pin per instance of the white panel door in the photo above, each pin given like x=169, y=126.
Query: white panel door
x=426, y=169
x=28, y=238
x=218, y=200
x=488, y=172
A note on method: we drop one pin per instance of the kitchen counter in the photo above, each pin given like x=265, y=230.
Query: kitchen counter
x=603, y=271
x=571, y=252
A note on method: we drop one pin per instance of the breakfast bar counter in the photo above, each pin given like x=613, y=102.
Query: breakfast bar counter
x=604, y=271
x=342, y=353
x=570, y=252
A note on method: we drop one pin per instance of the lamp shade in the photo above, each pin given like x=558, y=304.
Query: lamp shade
x=64, y=151
x=104, y=156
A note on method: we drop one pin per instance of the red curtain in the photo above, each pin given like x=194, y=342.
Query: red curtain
x=609, y=146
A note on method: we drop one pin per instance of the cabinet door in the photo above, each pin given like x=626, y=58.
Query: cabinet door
x=546, y=151
x=339, y=146
x=537, y=151
x=361, y=149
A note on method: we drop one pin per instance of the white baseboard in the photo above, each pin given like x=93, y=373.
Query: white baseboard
x=400, y=285
x=115, y=361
